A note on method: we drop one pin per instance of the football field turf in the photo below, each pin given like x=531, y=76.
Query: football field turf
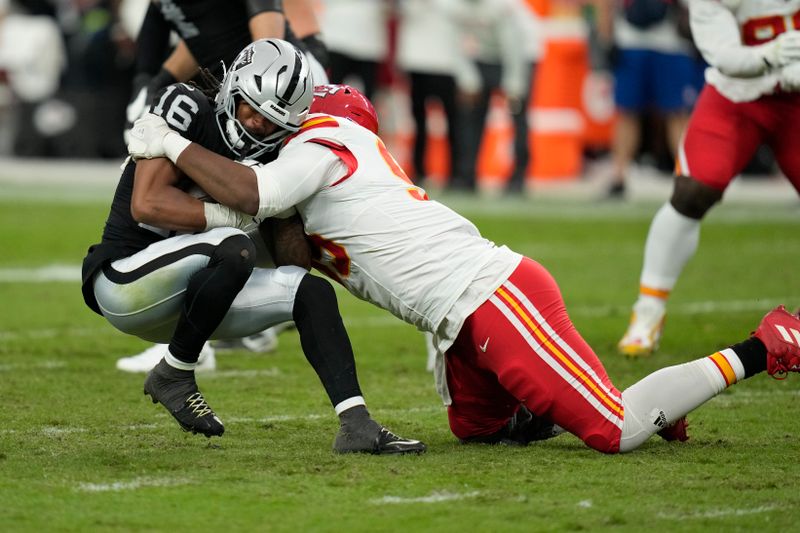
x=81, y=449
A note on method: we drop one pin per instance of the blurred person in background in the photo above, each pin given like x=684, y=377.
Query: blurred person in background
x=751, y=97
x=495, y=37
x=356, y=32
x=430, y=53
x=655, y=67
x=32, y=60
x=212, y=33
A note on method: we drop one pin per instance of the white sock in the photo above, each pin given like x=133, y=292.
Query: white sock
x=671, y=242
x=174, y=362
x=668, y=394
x=348, y=403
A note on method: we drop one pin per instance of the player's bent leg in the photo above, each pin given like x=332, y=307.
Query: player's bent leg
x=209, y=294
x=142, y=294
x=536, y=356
x=327, y=347
x=266, y=300
x=667, y=395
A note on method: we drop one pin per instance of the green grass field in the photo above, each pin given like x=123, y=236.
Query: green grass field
x=82, y=449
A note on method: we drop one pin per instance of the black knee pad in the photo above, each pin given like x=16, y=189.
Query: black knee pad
x=313, y=290
x=692, y=198
x=236, y=254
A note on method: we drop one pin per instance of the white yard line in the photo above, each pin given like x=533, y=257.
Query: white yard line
x=44, y=274
x=717, y=513
x=138, y=483
x=318, y=416
x=434, y=497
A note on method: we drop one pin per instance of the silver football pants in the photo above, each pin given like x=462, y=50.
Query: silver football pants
x=143, y=294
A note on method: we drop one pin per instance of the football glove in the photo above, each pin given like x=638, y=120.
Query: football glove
x=783, y=50
x=146, y=139
x=790, y=77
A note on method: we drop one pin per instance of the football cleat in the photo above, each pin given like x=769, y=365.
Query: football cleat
x=522, y=429
x=644, y=330
x=262, y=342
x=177, y=391
x=675, y=431
x=145, y=361
x=371, y=437
x=779, y=330
x=387, y=443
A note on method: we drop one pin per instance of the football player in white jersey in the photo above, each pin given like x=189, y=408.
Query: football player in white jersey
x=510, y=360
x=171, y=268
x=751, y=97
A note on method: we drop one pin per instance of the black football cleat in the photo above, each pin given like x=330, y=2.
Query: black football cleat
x=520, y=430
x=367, y=436
x=177, y=391
x=388, y=443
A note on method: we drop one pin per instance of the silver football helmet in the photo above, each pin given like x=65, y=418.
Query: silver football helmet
x=274, y=78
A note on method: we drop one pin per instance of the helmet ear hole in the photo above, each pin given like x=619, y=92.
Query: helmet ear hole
x=274, y=78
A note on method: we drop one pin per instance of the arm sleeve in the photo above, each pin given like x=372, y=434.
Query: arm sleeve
x=299, y=172
x=153, y=41
x=254, y=7
x=717, y=36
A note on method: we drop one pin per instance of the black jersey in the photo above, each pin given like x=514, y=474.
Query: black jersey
x=216, y=30
x=191, y=113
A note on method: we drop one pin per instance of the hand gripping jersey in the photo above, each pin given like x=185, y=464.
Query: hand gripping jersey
x=722, y=31
x=377, y=233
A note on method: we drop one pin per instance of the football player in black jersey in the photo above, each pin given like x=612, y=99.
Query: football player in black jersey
x=173, y=268
x=212, y=33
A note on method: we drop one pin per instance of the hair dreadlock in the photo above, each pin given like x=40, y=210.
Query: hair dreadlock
x=208, y=84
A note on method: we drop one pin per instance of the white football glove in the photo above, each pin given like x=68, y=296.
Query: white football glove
x=790, y=77
x=146, y=139
x=783, y=50
x=136, y=108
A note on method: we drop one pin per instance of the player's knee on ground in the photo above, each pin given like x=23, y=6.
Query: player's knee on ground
x=235, y=256
x=692, y=198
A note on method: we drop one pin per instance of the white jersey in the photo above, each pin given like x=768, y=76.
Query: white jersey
x=727, y=31
x=377, y=233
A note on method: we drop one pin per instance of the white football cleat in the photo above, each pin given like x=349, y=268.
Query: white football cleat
x=262, y=342
x=644, y=331
x=145, y=361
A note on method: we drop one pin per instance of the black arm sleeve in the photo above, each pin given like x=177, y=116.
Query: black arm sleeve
x=153, y=42
x=254, y=7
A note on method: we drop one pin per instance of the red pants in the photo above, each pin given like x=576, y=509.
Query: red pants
x=722, y=136
x=521, y=347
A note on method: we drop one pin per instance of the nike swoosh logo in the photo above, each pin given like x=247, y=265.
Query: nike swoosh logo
x=484, y=345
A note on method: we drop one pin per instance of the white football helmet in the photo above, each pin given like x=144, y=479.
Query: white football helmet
x=273, y=77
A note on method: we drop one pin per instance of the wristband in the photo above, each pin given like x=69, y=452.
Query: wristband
x=220, y=216
x=174, y=145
